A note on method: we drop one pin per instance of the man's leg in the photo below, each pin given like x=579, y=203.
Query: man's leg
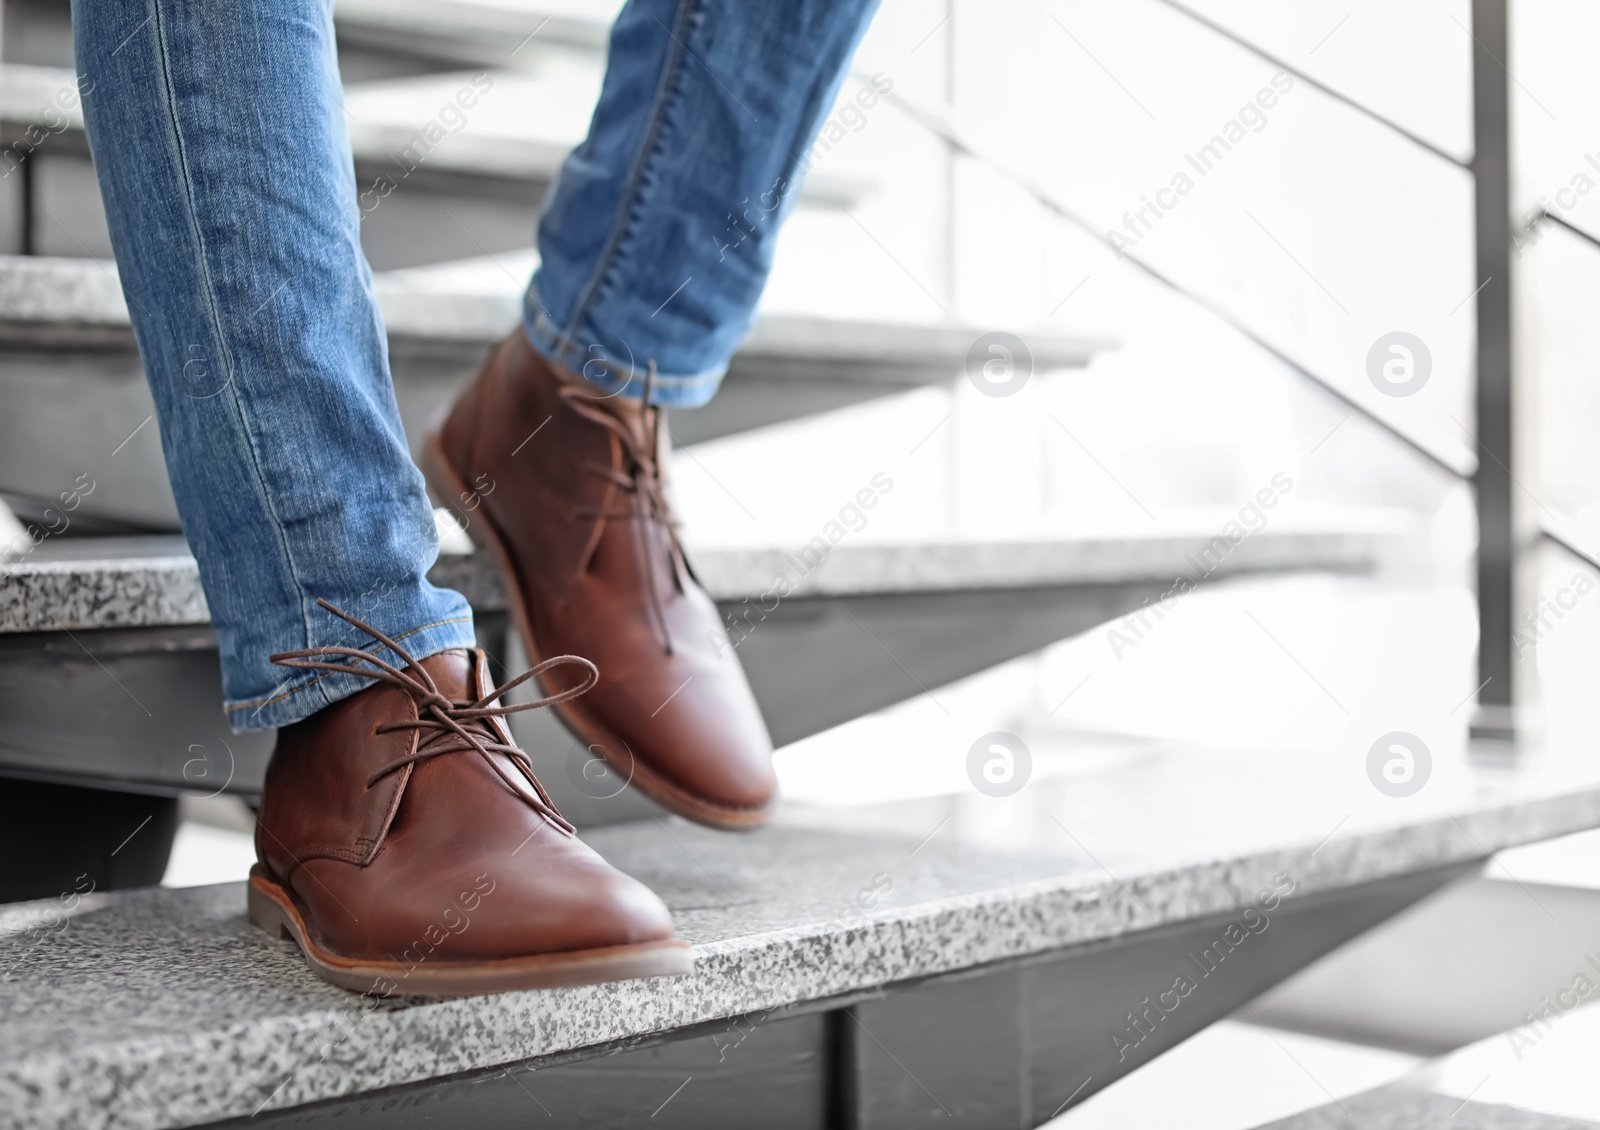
x=655, y=247
x=395, y=810
x=657, y=241
x=217, y=132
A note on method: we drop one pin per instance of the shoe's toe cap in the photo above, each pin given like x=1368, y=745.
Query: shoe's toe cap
x=572, y=900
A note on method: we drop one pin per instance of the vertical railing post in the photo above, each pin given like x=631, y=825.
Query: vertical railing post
x=1493, y=400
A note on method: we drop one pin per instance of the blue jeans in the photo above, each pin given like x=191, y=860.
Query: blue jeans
x=217, y=133
x=658, y=238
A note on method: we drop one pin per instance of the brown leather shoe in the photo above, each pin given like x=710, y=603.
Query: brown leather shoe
x=406, y=846
x=567, y=495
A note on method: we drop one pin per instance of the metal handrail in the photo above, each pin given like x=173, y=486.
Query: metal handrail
x=1494, y=231
x=1555, y=532
x=1461, y=464
x=941, y=126
x=1331, y=92
x=1557, y=535
x=1542, y=214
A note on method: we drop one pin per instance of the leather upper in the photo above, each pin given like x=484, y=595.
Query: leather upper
x=443, y=858
x=601, y=574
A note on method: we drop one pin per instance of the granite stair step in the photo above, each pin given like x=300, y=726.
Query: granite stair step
x=452, y=157
x=79, y=404
x=863, y=627
x=447, y=31
x=958, y=959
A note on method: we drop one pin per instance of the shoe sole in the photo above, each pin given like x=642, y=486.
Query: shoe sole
x=274, y=910
x=446, y=484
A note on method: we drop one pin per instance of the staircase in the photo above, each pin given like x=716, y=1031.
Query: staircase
x=903, y=947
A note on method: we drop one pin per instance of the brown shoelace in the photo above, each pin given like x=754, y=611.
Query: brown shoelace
x=447, y=725
x=640, y=478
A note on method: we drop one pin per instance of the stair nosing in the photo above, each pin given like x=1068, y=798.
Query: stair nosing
x=163, y=589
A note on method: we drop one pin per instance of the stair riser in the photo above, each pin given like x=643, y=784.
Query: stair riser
x=410, y=215
x=140, y=711
x=811, y=664
x=71, y=410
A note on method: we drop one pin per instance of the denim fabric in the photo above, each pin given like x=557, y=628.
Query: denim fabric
x=217, y=131
x=658, y=237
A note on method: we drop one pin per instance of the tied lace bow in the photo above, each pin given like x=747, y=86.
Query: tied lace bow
x=446, y=725
x=640, y=478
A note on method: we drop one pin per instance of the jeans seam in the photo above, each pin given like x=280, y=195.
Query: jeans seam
x=551, y=338
x=374, y=648
x=667, y=95
x=214, y=313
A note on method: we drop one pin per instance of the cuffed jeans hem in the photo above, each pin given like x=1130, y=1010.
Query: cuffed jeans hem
x=303, y=693
x=612, y=376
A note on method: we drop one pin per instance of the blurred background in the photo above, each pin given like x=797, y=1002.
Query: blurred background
x=1176, y=360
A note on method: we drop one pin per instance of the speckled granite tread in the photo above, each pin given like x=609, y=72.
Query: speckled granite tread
x=47, y=596
x=475, y=300
x=166, y=1008
x=1400, y=1107
x=149, y=582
